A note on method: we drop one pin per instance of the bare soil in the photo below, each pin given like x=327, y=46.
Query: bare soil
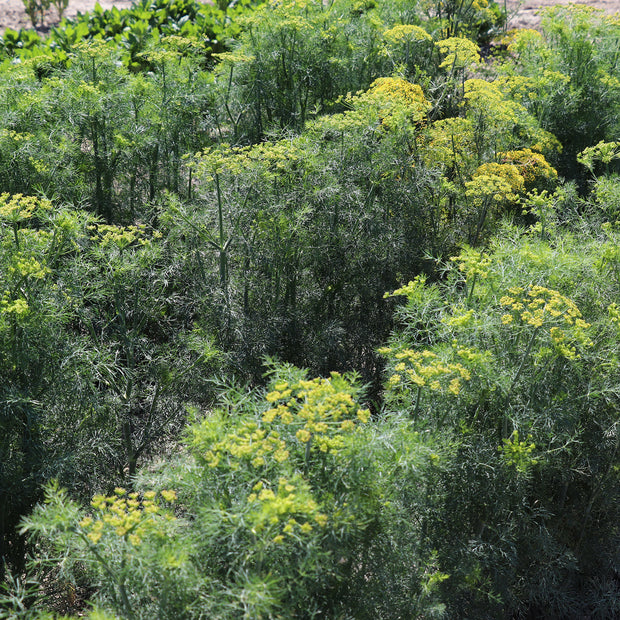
x=522, y=13
x=13, y=14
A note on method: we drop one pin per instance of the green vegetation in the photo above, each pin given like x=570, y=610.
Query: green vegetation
x=310, y=310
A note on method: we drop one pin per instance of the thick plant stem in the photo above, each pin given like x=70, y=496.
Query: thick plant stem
x=416, y=409
x=471, y=289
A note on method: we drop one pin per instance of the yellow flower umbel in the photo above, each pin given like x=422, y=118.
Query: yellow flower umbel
x=533, y=168
x=397, y=101
x=518, y=454
x=459, y=53
x=16, y=210
x=492, y=188
x=500, y=184
x=284, y=510
x=475, y=265
x=125, y=515
x=17, y=207
x=414, y=371
x=319, y=411
x=120, y=236
x=406, y=46
x=258, y=446
x=406, y=33
x=303, y=417
x=546, y=309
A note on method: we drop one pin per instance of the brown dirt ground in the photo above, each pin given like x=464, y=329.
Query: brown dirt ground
x=523, y=13
x=13, y=15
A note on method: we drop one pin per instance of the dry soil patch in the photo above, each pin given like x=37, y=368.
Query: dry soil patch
x=523, y=13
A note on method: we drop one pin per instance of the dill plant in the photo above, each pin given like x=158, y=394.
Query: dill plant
x=119, y=135
x=328, y=157
x=31, y=318
x=69, y=326
x=558, y=74
x=295, y=60
x=531, y=322
x=281, y=236
x=282, y=509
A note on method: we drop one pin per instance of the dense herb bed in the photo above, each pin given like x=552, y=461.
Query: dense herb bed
x=197, y=201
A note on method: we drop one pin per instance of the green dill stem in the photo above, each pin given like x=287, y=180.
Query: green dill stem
x=110, y=572
x=480, y=225
x=417, y=402
x=15, y=235
x=528, y=350
x=307, y=455
x=223, y=261
x=471, y=289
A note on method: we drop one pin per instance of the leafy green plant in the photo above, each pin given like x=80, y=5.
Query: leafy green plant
x=294, y=61
x=557, y=75
x=505, y=364
x=84, y=396
x=190, y=188
x=282, y=510
x=478, y=19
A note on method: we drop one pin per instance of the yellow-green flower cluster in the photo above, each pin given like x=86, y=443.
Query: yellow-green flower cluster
x=460, y=317
x=126, y=515
x=304, y=416
x=17, y=207
x=499, y=114
x=614, y=314
x=15, y=136
x=540, y=307
x=533, y=168
x=22, y=268
x=458, y=52
x=521, y=40
x=487, y=100
x=27, y=267
x=18, y=307
x=420, y=369
x=499, y=183
x=406, y=33
x=396, y=100
x=605, y=152
x=320, y=411
x=272, y=158
x=473, y=263
x=287, y=509
x=413, y=290
x=120, y=236
x=517, y=453
x=398, y=90
x=248, y=443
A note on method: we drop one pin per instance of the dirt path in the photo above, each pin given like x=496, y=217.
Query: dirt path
x=522, y=12
x=13, y=15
